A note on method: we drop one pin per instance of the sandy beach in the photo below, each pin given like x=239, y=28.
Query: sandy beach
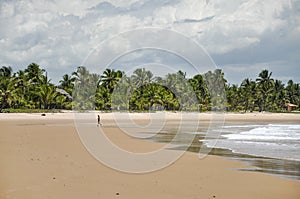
x=43, y=157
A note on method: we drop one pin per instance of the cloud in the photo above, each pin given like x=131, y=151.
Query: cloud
x=238, y=72
x=58, y=35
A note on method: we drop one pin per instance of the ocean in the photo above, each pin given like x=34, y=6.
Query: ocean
x=281, y=141
x=270, y=148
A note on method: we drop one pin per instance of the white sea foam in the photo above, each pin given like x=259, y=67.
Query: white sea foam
x=272, y=140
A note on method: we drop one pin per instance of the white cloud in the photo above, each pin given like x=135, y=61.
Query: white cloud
x=234, y=27
x=122, y=3
x=238, y=72
x=164, y=16
x=59, y=34
x=7, y=10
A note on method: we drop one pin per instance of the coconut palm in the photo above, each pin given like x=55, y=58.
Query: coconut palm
x=67, y=83
x=6, y=87
x=21, y=86
x=141, y=77
x=122, y=92
x=278, y=96
x=5, y=72
x=200, y=90
x=233, y=95
x=85, y=89
x=293, y=92
x=110, y=78
x=30, y=88
x=265, y=87
x=47, y=95
x=215, y=82
x=33, y=73
x=34, y=76
x=248, y=89
x=108, y=82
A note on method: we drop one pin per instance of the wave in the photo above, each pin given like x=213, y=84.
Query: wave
x=272, y=140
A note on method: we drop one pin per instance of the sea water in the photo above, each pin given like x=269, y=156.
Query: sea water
x=281, y=141
x=270, y=148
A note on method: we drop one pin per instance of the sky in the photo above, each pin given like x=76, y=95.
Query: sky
x=242, y=37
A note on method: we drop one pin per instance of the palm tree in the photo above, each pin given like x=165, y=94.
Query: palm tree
x=233, y=96
x=141, y=77
x=248, y=93
x=34, y=76
x=30, y=88
x=265, y=85
x=5, y=72
x=170, y=81
x=215, y=82
x=67, y=83
x=200, y=89
x=33, y=73
x=278, y=96
x=47, y=95
x=6, y=87
x=65, y=88
x=149, y=95
x=85, y=89
x=102, y=98
x=293, y=92
x=21, y=86
x=108, y=82
x=110, y=78
x=120, y=97
x=81, y=75
x=61, y=102
x=180, y=88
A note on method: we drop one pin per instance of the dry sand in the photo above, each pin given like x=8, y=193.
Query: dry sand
x=42, y=157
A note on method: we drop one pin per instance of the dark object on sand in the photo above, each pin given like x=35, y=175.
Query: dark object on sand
x=99, y=121
x=43, y=114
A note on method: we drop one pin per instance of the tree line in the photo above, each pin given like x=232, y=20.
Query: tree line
x=142, y=91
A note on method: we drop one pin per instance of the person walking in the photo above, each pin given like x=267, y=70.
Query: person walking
x=99, y=121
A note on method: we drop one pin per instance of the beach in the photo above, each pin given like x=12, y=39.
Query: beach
x=43, y=157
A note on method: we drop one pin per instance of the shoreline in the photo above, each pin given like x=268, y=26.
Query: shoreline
x=43, y=153
x=228, y=116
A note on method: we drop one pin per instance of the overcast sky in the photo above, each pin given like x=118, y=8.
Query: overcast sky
x=242, y=37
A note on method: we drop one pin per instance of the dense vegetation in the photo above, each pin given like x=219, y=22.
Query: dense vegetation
x=31, y=89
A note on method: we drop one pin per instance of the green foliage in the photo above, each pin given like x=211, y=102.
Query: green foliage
x=84, y=89
x=153, y=96
x=30, y=90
